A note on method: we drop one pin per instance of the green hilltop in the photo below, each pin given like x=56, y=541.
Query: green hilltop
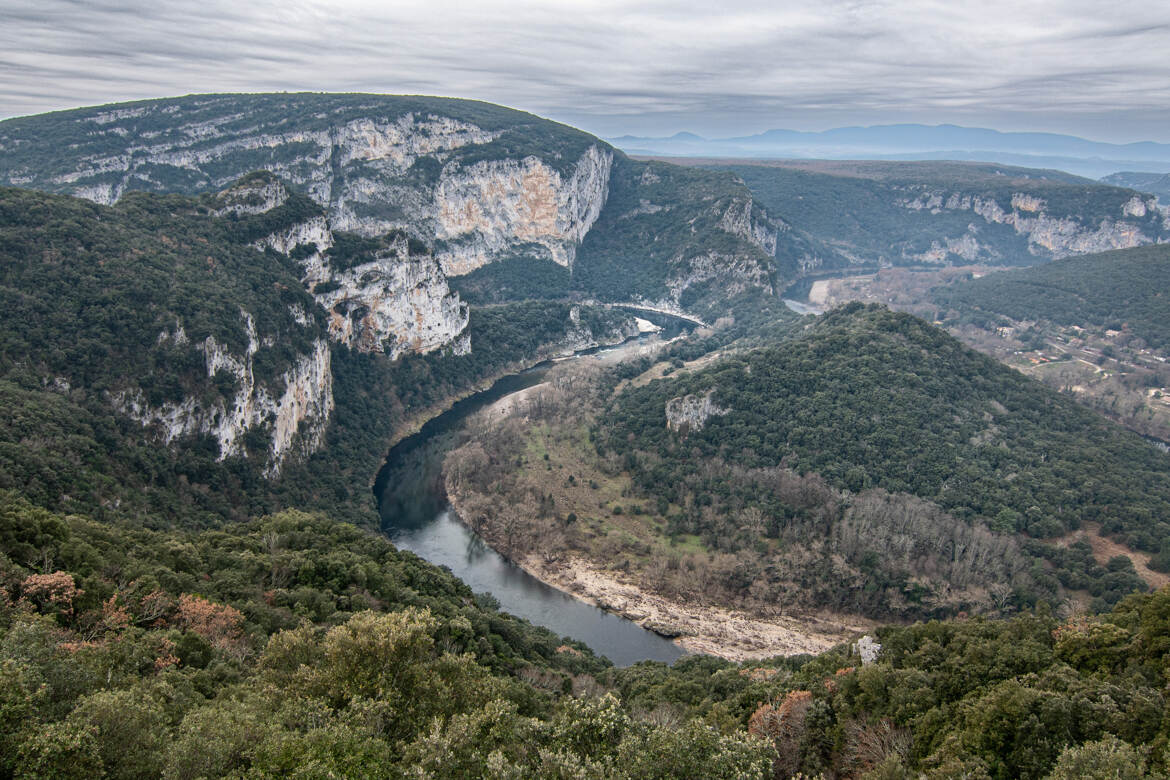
x=1127, y=289
x=872, y=400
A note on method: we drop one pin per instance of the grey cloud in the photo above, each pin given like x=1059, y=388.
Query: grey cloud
x=646, y=66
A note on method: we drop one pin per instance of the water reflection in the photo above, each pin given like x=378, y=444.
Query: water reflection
x=447, y=542
x=414, y=513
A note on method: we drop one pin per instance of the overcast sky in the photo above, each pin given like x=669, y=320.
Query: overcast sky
x=1100, y=70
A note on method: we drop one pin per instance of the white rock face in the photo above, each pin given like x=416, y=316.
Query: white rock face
x=399, y=302
x=735, y=273
x=965, y=246
x=868, y=649
x=492, y=206
x=385, y=147
x=296, y=421
x=691, y=412
x=252, y=198
x=313, y=232
x=304, y=407
x=372, y=176
x=741, y=220
x=1046, y=235
x=396, y=303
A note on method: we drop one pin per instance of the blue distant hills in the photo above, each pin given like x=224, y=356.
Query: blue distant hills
x=919, y=142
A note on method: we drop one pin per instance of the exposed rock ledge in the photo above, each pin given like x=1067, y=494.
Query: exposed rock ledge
x=697, y=628
x=691, y=412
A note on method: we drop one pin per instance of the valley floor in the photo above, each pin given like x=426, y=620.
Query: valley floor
x=697, y=627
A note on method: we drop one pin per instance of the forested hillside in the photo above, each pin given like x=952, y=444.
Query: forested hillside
x=1125, y=290
x=253, y=651
x=931, y=213
x=1094, y=327
x=155, y=322
x=1154, y=183
x=870, y=399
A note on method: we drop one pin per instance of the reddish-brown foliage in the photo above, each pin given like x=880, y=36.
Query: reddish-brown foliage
x=56, y=589
x=219, y=624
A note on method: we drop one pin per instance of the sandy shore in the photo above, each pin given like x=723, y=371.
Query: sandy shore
x=697, y=628
x=726, y=633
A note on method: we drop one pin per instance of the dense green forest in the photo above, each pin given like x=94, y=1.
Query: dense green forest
x=88, y=290
x=867, y=398
x=295, y=645
x=1124, y=290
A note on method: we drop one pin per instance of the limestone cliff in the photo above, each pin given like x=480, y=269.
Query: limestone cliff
x=842, y=213
x=392, y=299
x=293, y=410
x=691, y=412
x=1048, y=235
x=491, y=208
x=480, y=182
x=398, y=302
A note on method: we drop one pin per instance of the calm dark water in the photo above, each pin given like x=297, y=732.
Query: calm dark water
x=415, y=515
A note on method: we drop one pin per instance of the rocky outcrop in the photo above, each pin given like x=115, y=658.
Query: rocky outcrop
x=397, y=302
x=867, y=649
x=733, y=273
x=580, y=336
x=743, y=219
x=965, y=246
x=256, y=194
x=691, y=412
x=1029, y=216
x=499, y=206
x=293, y=409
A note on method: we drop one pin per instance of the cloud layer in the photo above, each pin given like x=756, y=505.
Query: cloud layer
x=612, y=66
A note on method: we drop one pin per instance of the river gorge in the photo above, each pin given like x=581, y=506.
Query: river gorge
x=416, y=515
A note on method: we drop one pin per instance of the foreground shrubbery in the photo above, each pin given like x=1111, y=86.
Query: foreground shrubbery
x=294, y=644
x=298, y=646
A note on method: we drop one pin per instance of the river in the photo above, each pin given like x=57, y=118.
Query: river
x=413, y=507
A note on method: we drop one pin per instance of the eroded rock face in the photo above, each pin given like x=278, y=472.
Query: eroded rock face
x=743, y=219
x=397, y=302
x=868, y=649
x=420, y=171
x=691, y=412
x=491, y=207
x=1029, y=215
x=293, y=410
x=733, y=273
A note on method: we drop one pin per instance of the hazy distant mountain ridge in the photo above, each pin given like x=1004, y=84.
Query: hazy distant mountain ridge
x=1153, y=183
x=922, y=142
